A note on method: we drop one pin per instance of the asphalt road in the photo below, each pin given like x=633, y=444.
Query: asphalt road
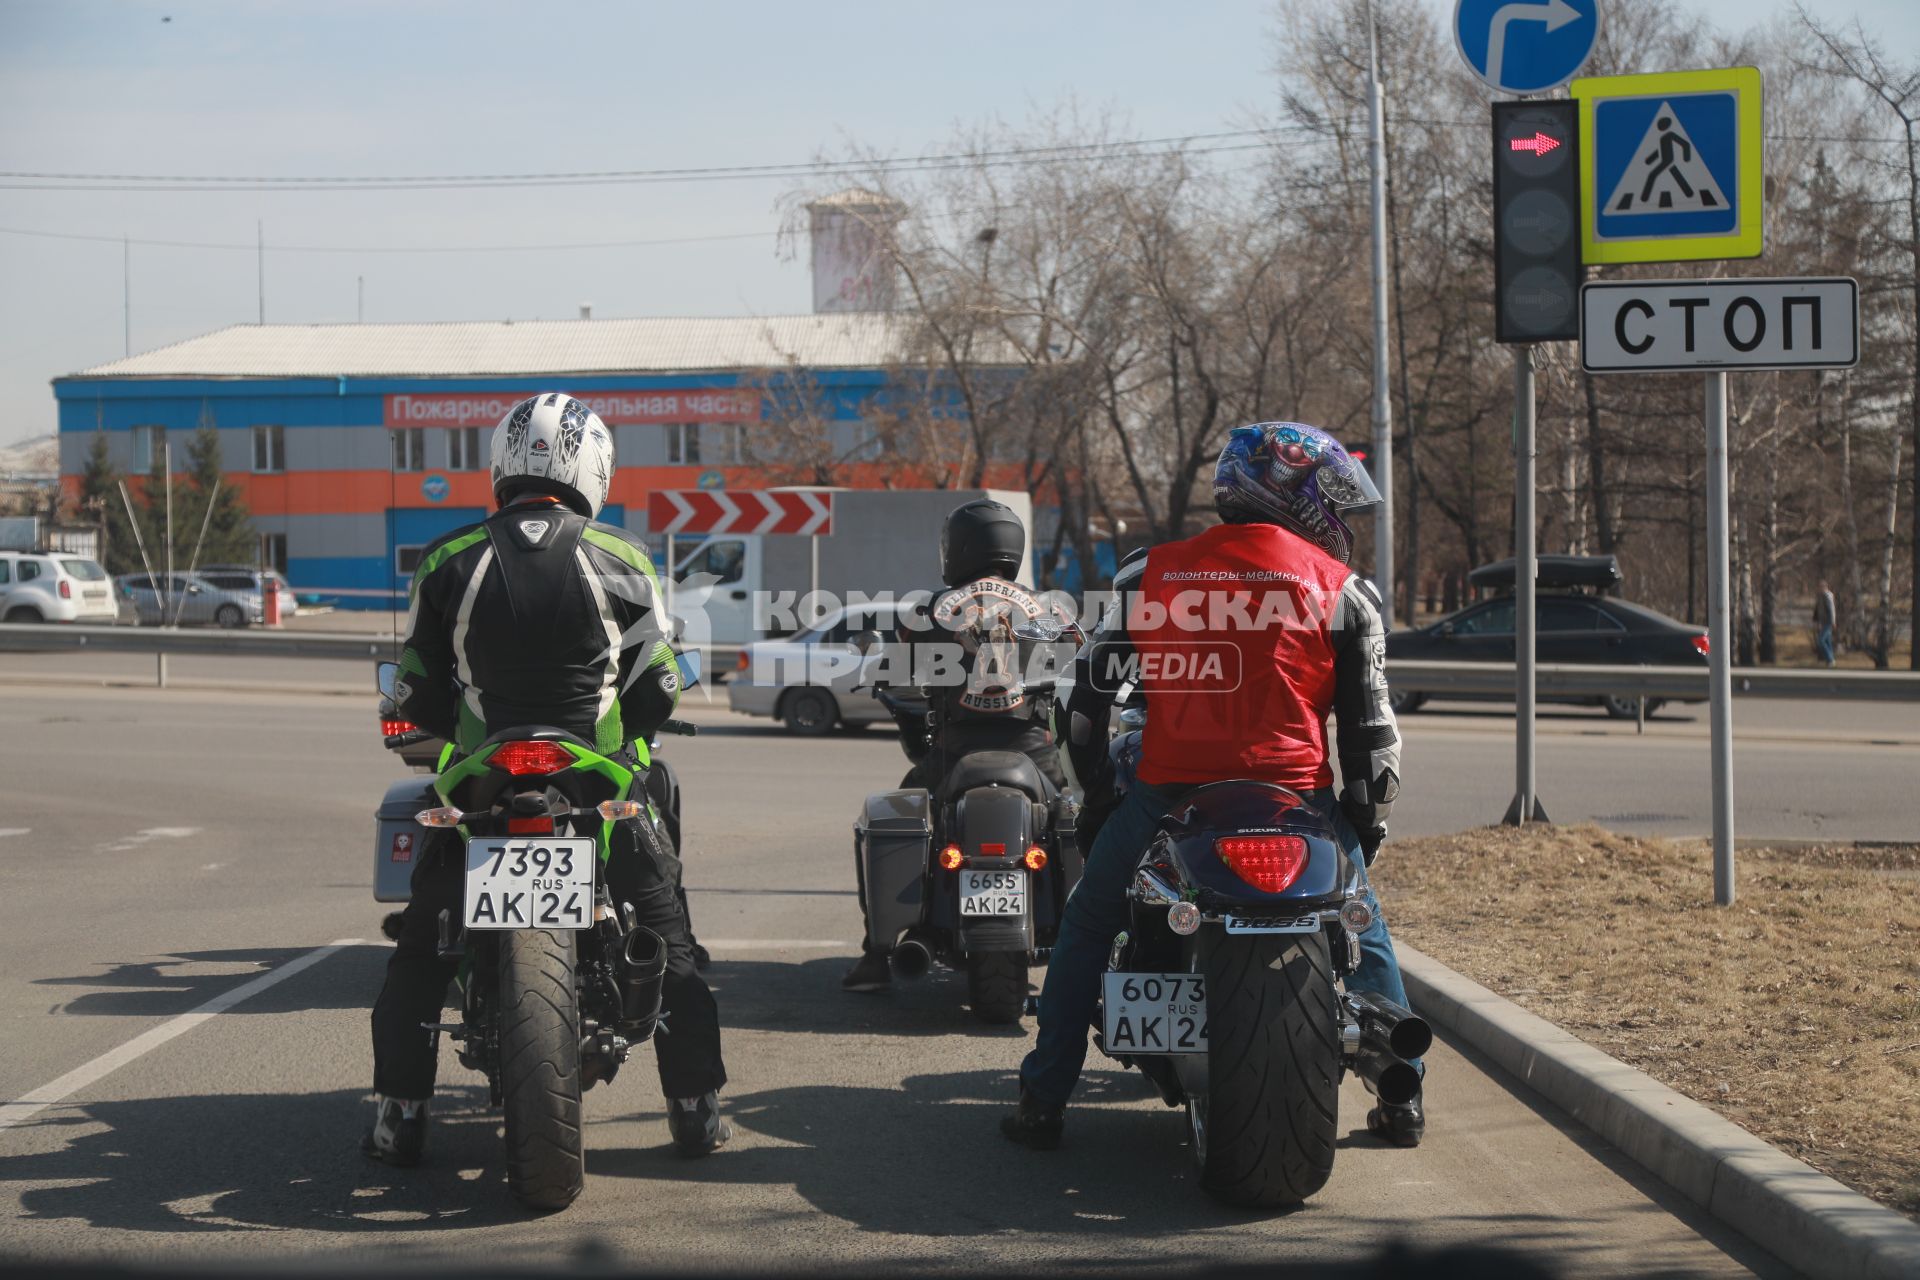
x=161, y=850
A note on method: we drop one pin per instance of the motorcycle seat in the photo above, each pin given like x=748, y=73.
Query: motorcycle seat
x=995, y=769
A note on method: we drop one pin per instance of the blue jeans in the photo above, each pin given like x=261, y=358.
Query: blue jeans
x=1823, y=643
x=1097, y=912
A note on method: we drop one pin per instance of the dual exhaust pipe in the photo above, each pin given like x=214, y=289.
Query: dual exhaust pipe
x=1389, y=1036
x=912, y=957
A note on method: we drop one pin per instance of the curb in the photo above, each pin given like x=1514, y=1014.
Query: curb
x=1800, y=1215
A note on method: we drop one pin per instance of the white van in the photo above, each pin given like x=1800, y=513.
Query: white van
x=51, y=586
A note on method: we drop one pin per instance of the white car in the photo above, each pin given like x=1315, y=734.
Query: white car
x=51, y=586
x=806, y=679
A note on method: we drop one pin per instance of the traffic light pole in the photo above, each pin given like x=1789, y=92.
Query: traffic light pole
x=1526, y=796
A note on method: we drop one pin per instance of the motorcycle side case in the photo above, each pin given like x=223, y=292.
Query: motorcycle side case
x=398, y=839
x=893, y=841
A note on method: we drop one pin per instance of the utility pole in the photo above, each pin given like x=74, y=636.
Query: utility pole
x=1382, y=459
x=126, y=294
x=360, y=308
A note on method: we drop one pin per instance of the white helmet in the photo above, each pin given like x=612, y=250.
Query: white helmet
x=556, y=445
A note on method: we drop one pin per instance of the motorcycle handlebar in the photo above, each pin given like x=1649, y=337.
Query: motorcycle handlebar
x=684, y=728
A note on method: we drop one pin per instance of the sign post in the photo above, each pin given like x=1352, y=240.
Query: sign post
x=1714, y=326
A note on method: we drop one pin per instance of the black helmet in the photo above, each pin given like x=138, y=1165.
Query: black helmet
x=982, y=538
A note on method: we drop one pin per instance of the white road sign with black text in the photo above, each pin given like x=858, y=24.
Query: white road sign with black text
x=1646, y=326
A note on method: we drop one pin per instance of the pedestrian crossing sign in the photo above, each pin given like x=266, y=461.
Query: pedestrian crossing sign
x=1671, y=166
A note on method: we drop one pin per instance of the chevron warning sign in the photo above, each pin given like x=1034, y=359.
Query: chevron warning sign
x=712, y=511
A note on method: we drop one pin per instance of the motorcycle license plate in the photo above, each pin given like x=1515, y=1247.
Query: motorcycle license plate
x=993, y=893
x=530, y=882
x=1154, y=1013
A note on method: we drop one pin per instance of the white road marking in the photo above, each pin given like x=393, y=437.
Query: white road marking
x=31, y=1104
x=147, y=836
x=776, y=944
x=15, y=831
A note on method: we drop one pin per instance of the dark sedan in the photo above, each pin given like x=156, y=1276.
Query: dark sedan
x=1570, y=627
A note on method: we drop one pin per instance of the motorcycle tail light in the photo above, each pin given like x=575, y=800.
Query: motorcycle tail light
x=1268, y=863
x=615, y=810
x=529, y=826
x=998, y=849
x=523, y=758
x=950, y=858
x=1035, y=858
x=394, y=728
x=1702, y=645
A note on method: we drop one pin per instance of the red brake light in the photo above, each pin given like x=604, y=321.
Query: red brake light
x=1268, y=863
x=522, y=758
x=1701, y=643
x=393, y=728
x=741, y=663
x=529, y=826
x=66, y=589
x=994, y=850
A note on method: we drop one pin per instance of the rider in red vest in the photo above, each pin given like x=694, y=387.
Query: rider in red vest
x=1243, y=638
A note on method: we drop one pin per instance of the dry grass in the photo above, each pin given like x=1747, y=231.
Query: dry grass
x=1795, y=1013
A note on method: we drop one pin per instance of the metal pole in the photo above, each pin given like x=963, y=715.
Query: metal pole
x=1382, y=460
x=160, y=669
x=1526, y=799
x=260, y=264
x=814, y=551
x=126, y=295
x=1719, y=640
x=166, y=454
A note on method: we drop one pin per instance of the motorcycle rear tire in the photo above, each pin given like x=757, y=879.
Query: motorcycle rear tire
x=1263, y=1134
x=997, y=986
x=540, y=1068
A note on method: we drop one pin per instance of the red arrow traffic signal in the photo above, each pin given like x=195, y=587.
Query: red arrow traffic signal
x=1539, y=143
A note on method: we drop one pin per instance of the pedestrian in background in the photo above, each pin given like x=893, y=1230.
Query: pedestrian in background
x=1823, y=620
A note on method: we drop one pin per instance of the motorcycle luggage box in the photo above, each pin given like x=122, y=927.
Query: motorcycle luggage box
x=398, y=839
x=892, y=841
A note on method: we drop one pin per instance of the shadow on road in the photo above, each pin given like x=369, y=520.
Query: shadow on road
x=165, y=985
x=779, y=995
x=253, y=1162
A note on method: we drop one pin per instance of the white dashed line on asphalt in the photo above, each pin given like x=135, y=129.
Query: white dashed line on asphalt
x=16, y=831
x=31, y=1104
x=147, y=836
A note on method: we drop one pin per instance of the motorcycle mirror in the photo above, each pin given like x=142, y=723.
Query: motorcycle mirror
x=1446, y=629
x=1135, y=716
x=1041, y=630
x=689, y=665
x=386, y=676
x=867, y=641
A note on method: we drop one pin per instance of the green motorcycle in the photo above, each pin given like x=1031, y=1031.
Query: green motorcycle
x=557, y=983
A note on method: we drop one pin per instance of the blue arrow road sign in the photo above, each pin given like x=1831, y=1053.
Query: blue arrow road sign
x=1525, y=46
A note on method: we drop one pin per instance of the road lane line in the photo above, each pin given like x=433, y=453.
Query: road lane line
x=31, y=1104
x=16, y=831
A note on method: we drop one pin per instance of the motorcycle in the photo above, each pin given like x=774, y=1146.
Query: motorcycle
x=556, y=984
x=1224, y=989
x=974, y=876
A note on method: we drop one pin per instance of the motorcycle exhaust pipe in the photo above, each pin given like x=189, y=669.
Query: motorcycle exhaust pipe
x=1393, y=1027
x=912, y=958
x=642, y=971
x=1393, y=1080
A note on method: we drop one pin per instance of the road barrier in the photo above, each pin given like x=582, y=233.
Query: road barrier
x=1436, y=679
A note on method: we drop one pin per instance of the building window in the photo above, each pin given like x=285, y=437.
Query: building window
x=726, y=443
x=463, y=449
x=273, y=552
x=269, y=449
x=409, y=450
x=683, y=443
x=407, y=559
x=149, y=446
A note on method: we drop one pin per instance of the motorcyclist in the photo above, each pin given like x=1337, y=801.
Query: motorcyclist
x=540, y=615
x=977, y=706
x=1271, y=583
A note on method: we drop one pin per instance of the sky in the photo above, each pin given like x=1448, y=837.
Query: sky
x=365, y=87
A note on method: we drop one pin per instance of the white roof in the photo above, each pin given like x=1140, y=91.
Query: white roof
x=850, y=340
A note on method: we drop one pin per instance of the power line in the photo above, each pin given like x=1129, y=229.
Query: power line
x=444, y=248
x=29, y=180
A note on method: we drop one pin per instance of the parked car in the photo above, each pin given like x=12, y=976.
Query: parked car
x=50, y=586
x=191, y=599
x=806, y=680
x=246, y=577
x=1575, y=621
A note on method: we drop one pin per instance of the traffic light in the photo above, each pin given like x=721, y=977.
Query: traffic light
x=1536, y=221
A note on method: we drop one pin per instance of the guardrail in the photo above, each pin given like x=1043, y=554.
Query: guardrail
x=1436, y=679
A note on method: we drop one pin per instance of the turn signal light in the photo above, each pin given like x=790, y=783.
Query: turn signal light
x=950, y=858
x=615, y=810
x=1036, y=858
x=1268, y=863
x=1183, y=918
x=438, y=817
x=394, y=728
x=523, y=758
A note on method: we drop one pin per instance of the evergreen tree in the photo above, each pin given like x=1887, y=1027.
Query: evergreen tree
x=230, y=537
x=100, y=504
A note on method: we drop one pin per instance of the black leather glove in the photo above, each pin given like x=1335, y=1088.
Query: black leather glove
x=1371, y=838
